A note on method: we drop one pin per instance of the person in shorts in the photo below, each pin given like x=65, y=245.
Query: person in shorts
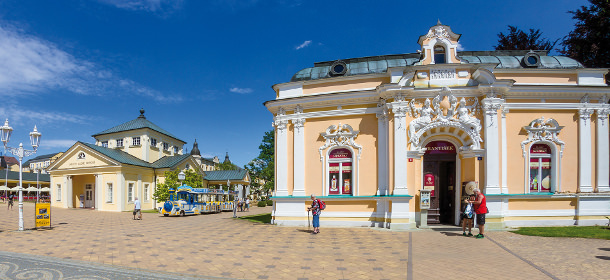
x=480, y=208
x=467, y=216
x=137, y=209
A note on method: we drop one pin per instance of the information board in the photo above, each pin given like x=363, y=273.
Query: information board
x=43, y=215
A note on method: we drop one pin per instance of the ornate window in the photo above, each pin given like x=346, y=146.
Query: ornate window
x=540, y=167
x=340, y=172
x=439, y=55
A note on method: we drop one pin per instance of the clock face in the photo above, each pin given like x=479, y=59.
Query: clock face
x=470, y=188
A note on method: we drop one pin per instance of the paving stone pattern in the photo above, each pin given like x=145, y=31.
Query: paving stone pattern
x=218, y=246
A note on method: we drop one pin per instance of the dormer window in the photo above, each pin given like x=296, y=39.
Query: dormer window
x=105, y=144
x=153, y=142
x=166, y=146
x=135, y=141
x=439, y=54
x=119, y=142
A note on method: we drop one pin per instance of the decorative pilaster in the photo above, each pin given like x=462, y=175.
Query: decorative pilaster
x=69, y=197
x=491, y=105
x=584, y=148
x=603, y=145
x=98, y=192
x=281, y=152
x=504, y=152
x=400, y=149
x=299, y=153
x=382, y=150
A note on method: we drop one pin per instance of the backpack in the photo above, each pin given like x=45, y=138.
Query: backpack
x=468, y=211
x=322, y=204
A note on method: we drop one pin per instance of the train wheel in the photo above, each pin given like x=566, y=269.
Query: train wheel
x=182, y=213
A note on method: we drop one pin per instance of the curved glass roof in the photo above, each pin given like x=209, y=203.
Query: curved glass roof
x=380, y=64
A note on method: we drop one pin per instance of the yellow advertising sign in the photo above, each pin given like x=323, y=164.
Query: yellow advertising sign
x=43, y=215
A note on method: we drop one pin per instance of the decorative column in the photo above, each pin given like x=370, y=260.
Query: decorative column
x=584, y=148
x=97, y=192
x=400, y=149
x=69, y=197
x=603, y=145
x=120, y=192
x=281, y=153
x=299, y=153
x=382, y=150
x=491, y=105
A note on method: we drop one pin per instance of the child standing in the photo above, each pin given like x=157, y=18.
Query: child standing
x=467, y=216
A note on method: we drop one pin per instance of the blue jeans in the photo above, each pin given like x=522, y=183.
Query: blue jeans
x=316, y=221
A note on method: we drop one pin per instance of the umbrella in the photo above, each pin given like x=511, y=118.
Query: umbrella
x=31, y=189
x=4, y=188
x=45, y=189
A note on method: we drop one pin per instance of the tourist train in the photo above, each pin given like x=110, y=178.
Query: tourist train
x=186, y=200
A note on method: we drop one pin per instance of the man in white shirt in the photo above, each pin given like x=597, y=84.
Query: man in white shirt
x=137, y=207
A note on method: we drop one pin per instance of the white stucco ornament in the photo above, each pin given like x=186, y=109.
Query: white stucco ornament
x=459, y=115
x=543, y=130
x=341, y=135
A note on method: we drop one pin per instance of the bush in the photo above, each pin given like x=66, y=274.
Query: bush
x=262, y=204
x=269, y=202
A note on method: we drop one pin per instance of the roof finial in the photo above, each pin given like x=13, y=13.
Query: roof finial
x=438, y=22
x=142, y=114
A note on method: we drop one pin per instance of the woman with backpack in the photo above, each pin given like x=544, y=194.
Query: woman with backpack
x=316, y=207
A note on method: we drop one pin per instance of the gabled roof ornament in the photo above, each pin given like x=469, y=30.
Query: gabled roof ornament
x=142, y=114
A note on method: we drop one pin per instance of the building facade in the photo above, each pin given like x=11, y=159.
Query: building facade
x=367, y=135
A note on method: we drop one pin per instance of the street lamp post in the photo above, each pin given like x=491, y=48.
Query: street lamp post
x=20, y=152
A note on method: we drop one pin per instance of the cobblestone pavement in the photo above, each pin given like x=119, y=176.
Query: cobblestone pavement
x=218, y=246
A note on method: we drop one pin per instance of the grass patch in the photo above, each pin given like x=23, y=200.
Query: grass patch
x=150, y=211
x=260, y=218
x=598, y=232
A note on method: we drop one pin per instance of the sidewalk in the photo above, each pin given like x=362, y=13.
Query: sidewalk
x=217, y=245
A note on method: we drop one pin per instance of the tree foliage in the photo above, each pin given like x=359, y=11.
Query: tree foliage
x=517, y=39
x=227, y=166
x=589, y=42
x=262, y=169
x=191, y=179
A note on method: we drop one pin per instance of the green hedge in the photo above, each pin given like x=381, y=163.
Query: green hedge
x=262, y=204
x=269, y=202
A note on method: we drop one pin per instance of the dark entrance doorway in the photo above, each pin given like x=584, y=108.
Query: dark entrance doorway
x=439, y=161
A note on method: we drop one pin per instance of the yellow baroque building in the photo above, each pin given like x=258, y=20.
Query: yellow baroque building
x=127, y=161
x=368, y=135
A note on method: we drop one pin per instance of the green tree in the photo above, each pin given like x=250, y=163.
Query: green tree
x=262, y=169
x=589, y=42
x=226, y=166
x=517, y=39
x=191, y=179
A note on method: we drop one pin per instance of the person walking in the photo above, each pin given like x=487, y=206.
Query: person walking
x=480, y=208
x=248, y=204
x=315, y=212
x=11, y=198
x=235, y=201
x=137, y=209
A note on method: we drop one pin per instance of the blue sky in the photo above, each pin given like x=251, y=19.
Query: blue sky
x=202, y=69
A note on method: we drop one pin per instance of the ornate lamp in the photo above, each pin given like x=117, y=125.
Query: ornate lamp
x=35, y=138
x=6, y=132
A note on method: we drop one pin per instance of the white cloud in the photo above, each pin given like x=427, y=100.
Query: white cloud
x=154, y=6
x=241, y=90
x=303, y=45
x=24, y=115
x=460, y=47
x=57, y=143
x=33, y=66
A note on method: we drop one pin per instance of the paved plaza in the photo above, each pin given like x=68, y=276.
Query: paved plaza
x=110, y=245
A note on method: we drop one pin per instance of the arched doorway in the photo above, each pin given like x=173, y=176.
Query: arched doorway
x=439, y=165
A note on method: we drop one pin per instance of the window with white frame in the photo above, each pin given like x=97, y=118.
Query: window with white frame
x=119, y=142
x=439, y=55
x=109, y=193
x=540, y=168
x=175, y=150
x=153, y=142
x=135, y=141
x=130, y=193
x=146, y=192
x=58, y=192
x=105, y=144
x=340, y=172
x=166, y=146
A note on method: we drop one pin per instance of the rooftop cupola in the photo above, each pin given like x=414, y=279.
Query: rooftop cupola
x=227, y=158
x=195, y=150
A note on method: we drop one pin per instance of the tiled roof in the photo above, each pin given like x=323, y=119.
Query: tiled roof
x=224, y=175
x=39, y=158
x=118, y=155
x=125, y=158
x=139, y=122
x=27, y=176
x=168, y=162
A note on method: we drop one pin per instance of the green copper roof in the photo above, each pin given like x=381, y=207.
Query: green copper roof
x=139, y=122
x=224, y=175
x=27, y=176
x=380, y=64
x=118, y=155
x=125, y=158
